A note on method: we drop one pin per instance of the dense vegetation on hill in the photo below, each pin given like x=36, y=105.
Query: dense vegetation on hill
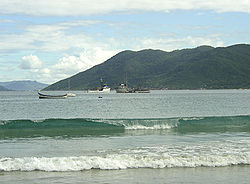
x=23, y=85
x=201, y=67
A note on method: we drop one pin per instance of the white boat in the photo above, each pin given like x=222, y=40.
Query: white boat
x=104, y=89
x=71, y=94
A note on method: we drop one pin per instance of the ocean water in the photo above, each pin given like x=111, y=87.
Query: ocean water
x=182, y=136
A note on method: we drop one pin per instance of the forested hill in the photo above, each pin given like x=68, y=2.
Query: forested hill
x=201, y=67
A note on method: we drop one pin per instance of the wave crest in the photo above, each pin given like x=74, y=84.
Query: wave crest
x=83, y=127
x=116, y=161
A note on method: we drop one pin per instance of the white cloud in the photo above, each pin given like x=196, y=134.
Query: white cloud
x=87, y=7
x=6, y=21
x=86, y=59
x=59, y=37
x=30, y=62
x=81, y=23
x=67, y=65
x=51, y=38
x=170, y=44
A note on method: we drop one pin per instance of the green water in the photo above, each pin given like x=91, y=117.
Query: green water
x=160, y=137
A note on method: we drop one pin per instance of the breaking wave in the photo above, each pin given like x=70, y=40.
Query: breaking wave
x=214, y=155
x=92, y=127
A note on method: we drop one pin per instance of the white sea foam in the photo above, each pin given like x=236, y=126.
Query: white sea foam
x=118, y=162
x=154, y=127
x=38, y=120
x=192, y=118
x=144, y=124
x=3, y=122
x=206, y=155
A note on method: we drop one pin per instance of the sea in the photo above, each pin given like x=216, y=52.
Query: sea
x=165, y=136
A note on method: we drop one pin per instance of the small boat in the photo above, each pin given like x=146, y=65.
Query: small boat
x=104, y=89
x=142, y=90
x=123, y=88
x=44, y=96
x=71, y=94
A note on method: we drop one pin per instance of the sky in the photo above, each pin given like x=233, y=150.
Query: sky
x=49, y=40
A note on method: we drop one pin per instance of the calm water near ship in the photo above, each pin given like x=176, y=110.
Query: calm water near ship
x=186, y=136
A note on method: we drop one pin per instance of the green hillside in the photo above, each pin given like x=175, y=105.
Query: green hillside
x=201, y=67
